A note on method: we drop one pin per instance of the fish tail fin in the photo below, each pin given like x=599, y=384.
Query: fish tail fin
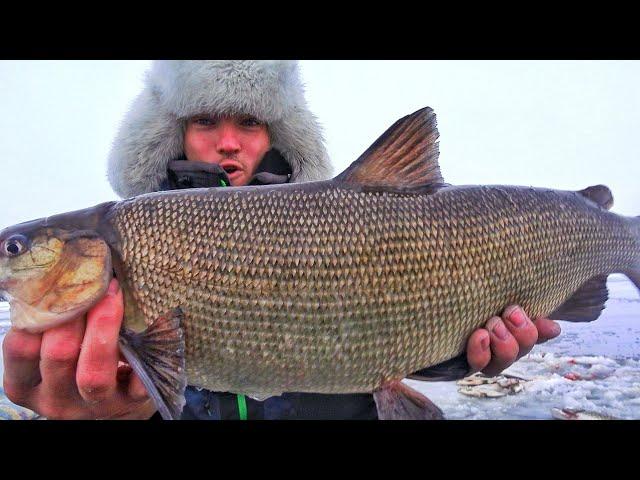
x=633, y=273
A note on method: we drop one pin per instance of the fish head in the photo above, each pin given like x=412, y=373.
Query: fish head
x=51, y=275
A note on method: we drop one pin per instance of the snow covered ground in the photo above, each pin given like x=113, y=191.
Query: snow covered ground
x=591, y=366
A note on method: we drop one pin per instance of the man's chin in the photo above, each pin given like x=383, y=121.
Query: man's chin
x=237, y=179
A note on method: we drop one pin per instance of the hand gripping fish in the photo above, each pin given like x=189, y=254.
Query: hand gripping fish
x=340, y=286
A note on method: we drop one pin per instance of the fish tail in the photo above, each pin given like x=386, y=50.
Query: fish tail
x=634, y=273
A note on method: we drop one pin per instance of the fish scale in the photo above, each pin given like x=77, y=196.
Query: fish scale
x=386, y=285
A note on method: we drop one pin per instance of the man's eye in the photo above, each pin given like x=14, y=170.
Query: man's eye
x=14, y=246
x=205, y=122
x=251, y=122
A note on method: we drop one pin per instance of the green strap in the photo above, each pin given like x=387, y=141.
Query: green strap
x=242, y=407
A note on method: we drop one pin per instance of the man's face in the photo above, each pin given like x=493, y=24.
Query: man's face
x=236, y=143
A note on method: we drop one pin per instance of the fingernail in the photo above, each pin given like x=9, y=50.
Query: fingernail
x=556, y=329
x=499, y=330
x=516, y=316
x=484, y=344
x=113, y=288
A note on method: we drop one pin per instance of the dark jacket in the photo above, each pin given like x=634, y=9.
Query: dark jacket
x=207, y=405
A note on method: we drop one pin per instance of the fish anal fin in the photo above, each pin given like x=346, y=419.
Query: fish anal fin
x=599, y=194
x=398, y=401
x=406, y=155
x=586, y=304
x=453, y=369
x=157, y=355
x=634, y=276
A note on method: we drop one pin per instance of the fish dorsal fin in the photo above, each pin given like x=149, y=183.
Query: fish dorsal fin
x=406, y=155
x=599, y=194
x=586, y=304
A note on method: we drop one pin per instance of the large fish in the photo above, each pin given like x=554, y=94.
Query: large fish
x=341, y=286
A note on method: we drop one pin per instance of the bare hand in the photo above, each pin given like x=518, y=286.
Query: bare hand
x=507, y=339
x=72, y=371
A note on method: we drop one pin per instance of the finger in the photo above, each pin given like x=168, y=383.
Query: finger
x=21, y=356
x=136, y=390
x=522, y=329
x=131, y=384
x=478, y=352
x=504, y=347
x=98, y=362
x=547, y=329
x=124, y=372
x=59, y=358
x=142, y=411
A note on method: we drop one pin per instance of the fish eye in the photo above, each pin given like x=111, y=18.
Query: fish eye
x=15, y=245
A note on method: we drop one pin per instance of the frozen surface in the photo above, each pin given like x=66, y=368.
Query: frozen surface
x=591, y=366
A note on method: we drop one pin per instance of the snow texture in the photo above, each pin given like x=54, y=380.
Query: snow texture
x=591, y=366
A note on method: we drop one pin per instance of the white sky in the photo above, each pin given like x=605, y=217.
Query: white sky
x=559, y=124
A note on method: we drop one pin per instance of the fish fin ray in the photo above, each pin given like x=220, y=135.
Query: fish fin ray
x=406, y=155
x=634, y=276
x=633, y=273
x=398, y=401
x=453, y=369
x=586, y=304
x=599, y=194
x=157, y=355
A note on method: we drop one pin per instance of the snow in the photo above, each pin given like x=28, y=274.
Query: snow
x=591, y=366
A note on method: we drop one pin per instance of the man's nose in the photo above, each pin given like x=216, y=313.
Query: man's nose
x=229, y=141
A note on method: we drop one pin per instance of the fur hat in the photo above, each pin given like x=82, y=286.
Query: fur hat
x=151, y=133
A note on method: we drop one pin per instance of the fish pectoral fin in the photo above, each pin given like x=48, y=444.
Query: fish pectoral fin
x=406, y=155
x=586, y=304
x=598, y=194
x=453, y=369
x=398, y=401
x=157, y=355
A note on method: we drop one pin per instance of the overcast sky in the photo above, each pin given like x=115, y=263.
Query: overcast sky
x=559, y=124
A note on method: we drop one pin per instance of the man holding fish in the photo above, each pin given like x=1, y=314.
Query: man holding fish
x=208, y=124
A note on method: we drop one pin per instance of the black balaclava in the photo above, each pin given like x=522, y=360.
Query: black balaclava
x=181, y=174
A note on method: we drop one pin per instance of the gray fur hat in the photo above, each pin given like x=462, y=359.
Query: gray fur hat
x=152, y=131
